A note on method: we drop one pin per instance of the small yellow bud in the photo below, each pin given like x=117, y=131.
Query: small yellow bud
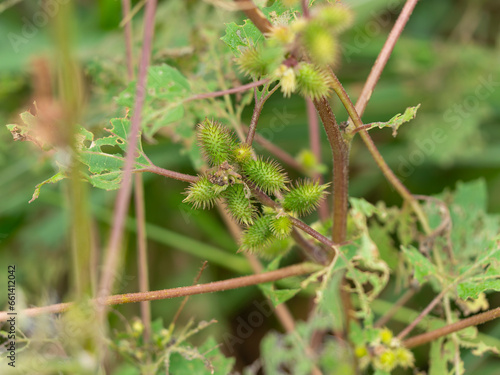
x=282, y=34
x=386, y=336
x=386, y=361
x=361, y=351
x=288, y=84
x=404, y=357
x=299, y=25
x=137, y=327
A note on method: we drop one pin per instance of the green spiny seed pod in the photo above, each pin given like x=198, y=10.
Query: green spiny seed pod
x=266, y=175
x=305, y=197
x=337, y=18
x=260, y=61
x=216, y=142
x=202, y=193
x=281, y=227
x=258, y=235
x=239, y=204
x=243, y=153
x=321, y=44
x=312, y=81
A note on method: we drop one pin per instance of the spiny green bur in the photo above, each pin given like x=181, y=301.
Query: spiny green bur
x=216, y=141
x=266, y=175
x=305, y=197
x=281, y=227
x=312, y=81
x=258, y=235
x=202, y=193
x=239, y=204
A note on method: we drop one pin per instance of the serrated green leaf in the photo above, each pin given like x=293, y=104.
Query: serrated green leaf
x=276, y=296
x=166, y=89
x=106, y=168
x=397, y=120
x=423, y=267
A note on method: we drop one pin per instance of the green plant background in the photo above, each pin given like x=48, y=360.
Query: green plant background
x=440, y=60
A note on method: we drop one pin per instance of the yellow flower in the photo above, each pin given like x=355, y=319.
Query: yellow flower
x=287, y=79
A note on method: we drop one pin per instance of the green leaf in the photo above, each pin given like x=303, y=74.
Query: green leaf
x=166, y=88
x=397, y=120
x=106, y=168
x=276, y=296
x=423, y=267
x=52, y=180
x=246, y=35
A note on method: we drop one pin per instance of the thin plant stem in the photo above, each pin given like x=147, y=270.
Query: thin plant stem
x=140, y=210
x=281, y=154
x=234, y=90
x=403, y=300
x=315, y=145
x=451, y=328
x=256, y=114
x=168, y=173
x=383, y=56
x=424, y=312
x=217, y=286
x=122, y=200
x=142, y=251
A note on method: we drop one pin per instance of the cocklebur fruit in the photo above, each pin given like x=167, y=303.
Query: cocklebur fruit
x=216, y=141
x=304, y=197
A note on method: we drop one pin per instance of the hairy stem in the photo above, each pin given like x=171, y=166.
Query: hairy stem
x=340, y=153
x=123, y=197
x=451, y=328
x=168, y=173
x=386, y=170
x=217, y=286
x=256, y=114
x=234, y=90
x=315, y=144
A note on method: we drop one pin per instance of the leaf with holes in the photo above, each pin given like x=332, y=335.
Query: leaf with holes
x=105, y=156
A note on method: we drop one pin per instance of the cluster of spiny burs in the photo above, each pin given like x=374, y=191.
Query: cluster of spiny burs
x=313, y=39
x=236, y=175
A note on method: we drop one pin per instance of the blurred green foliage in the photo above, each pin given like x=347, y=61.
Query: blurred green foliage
x=447, y=60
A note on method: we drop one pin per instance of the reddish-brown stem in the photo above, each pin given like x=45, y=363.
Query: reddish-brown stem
x=127, y=27
x=451, y=328
x=315, y=144
x=424, y=312
x=312, y=251
x=140, y=211
x=383, y=56
x=234, y=90
x=386, y=170
x=169, y=173
x=256, y=114
x=217, y=286
x=142, y=257
x=276, y=151
x=123, y=197
x=307, y=229
x=255, y=15
x=340, y=153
